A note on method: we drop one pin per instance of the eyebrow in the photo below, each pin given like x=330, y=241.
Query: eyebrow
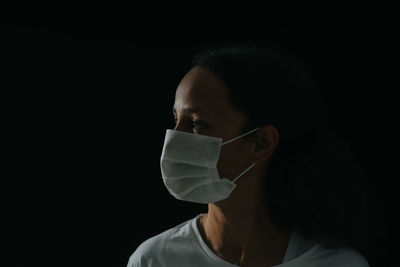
x=188, y=110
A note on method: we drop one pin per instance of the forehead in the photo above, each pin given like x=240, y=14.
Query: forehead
x=202, y=90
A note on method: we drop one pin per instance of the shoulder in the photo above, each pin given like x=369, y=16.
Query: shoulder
x=351, y=257
x=343, y=257
x=148, y=252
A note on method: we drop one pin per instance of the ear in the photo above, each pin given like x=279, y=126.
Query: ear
x=267, y=139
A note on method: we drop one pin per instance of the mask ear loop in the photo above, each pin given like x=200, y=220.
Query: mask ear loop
x=240, y=136
x=236, y=138
x=243, y=172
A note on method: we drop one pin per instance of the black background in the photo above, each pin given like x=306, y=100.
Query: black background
x=89, y=89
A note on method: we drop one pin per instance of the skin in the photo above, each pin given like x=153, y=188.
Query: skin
x=238, y=229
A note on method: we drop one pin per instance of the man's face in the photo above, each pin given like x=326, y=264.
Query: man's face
x=202, y=106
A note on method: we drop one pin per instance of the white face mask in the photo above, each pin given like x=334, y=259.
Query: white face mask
x=189, y=167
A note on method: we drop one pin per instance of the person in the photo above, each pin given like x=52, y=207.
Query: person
x=251, y=141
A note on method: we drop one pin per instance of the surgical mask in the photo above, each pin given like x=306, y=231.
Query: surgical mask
x=189, y=167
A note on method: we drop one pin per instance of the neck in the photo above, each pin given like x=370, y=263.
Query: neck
x=238, y=229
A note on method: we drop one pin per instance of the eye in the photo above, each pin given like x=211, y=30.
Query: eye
x=198, y=125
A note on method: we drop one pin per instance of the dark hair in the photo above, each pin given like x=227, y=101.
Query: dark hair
x=314, y=184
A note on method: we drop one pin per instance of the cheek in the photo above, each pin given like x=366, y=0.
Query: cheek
x=232, y=161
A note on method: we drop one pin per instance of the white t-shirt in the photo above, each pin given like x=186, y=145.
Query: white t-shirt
x=184, y=246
